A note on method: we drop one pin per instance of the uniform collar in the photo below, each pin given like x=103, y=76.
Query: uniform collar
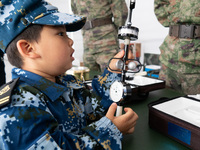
x=49, y=88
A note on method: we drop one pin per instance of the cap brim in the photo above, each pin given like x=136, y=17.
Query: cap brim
x=72, y=22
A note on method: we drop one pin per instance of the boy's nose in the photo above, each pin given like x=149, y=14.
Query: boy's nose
x=71, y=42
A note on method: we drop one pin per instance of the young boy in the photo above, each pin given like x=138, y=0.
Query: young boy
x=42, y=108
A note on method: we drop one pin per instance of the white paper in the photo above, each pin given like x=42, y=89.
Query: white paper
x=182, y=108
x=142, y=81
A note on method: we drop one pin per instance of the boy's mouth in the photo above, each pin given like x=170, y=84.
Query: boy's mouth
x=72, y=55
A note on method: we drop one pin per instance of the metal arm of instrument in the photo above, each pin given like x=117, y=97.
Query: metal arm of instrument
x=119, y=89
x=127, y=33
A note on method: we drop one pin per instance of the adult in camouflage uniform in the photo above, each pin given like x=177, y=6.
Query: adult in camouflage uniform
x=40, y=108
x=100, y=31
x=180, y=51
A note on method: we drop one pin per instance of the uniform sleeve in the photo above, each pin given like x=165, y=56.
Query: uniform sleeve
x=101, y=86
x=98, y=100
x=120, y=12
x=162, y=11
x=106, y=133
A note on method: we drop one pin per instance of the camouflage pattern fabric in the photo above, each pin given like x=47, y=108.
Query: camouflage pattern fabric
x=60, y=115
x=187, y=83
x=180, y=55
x=100, y=43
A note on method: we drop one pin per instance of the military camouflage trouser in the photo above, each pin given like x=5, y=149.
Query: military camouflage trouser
x=186, y=83
x=98, y=61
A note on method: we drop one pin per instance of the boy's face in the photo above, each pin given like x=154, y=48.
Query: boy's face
x=55, y=50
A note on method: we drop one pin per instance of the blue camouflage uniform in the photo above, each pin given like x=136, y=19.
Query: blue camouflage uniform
x=43, y=114
x=36, y=113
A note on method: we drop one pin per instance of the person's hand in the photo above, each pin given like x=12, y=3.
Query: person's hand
x=126, y=122
x=113, y=62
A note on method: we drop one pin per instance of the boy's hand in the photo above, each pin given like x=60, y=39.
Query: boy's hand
x=126, y=122
x=119, y=55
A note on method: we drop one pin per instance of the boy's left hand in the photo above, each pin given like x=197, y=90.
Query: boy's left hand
x=125, y=123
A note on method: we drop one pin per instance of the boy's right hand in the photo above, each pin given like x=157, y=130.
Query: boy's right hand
x=113, y=62
x=126, y=122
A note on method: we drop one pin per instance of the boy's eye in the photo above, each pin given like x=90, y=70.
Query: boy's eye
x=62, y=33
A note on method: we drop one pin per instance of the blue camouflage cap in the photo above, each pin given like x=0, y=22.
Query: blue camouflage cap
x=16, y=15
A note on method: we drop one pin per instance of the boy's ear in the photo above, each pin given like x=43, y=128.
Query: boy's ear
x=26, y=49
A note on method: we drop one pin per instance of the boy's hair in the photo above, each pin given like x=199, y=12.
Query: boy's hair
x=30, y=34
